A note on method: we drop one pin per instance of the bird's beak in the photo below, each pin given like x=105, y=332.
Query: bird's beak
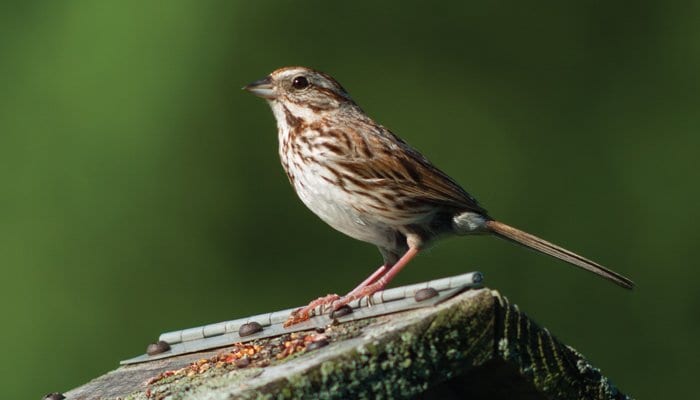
x=262, y=88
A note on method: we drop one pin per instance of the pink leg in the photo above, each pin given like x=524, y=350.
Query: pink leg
x=370, y=279
x=377, y=281
x=367, y=290
x=304, y=313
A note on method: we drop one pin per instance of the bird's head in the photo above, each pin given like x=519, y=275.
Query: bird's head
x=301, y=87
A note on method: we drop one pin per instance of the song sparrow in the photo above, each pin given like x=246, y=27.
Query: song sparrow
x=366, y=182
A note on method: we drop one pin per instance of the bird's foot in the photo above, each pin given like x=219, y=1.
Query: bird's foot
x=358, y=293
x=304, y=313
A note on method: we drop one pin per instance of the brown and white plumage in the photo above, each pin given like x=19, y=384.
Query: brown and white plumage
x=366, y=182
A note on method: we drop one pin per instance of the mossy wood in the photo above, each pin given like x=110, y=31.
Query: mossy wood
x=475, y=345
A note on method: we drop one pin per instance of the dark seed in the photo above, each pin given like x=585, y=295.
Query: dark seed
x=157, y=348
x=342, y=311
x=317, y=344
x=425, y=294
x=320, y=329
x=249, y=329
x=54, y=396
x=242, y=362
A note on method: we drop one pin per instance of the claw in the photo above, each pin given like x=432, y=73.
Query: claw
x=304, y=313
x=377, y=281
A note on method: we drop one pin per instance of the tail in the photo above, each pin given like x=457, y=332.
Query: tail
x=508, y=232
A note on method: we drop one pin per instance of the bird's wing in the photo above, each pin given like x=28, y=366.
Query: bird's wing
x=383, y=159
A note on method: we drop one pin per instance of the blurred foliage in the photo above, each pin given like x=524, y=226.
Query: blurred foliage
x=141, y=190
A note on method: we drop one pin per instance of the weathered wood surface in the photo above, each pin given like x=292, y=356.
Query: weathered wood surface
x=474, y=345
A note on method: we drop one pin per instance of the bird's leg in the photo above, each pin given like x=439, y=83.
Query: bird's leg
x=304, y=313
x=370, y=279
x=370, y=285
x=376, y=281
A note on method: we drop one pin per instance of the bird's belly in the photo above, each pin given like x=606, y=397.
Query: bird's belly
x=338, y=208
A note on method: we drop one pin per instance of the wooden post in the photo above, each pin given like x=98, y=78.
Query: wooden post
x=474, y=345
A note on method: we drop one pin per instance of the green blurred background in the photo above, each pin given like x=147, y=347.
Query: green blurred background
x=141, y=189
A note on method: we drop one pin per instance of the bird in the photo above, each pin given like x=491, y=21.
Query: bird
x=368, y=183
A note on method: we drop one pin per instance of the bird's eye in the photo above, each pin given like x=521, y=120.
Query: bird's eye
x=300, y=82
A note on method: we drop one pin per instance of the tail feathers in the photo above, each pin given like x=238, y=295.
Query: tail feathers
x=508, y=232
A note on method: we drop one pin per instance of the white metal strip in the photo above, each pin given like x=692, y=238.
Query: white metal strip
x=226, y=333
